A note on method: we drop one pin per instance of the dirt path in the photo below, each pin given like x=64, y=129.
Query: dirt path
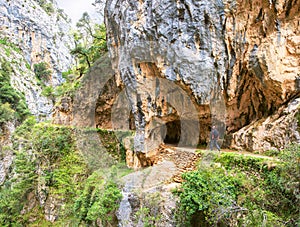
x=245, y=153
x=187, y=159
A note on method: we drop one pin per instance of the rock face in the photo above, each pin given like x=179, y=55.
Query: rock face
x=263, y=57
x=24, y=80
x=41, y=31
x=234, y=63
x=273, y=133
x=83, y=109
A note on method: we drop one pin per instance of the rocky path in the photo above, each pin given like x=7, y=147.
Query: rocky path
x=186, y=159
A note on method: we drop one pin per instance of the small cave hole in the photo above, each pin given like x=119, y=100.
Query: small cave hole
x=173, y=132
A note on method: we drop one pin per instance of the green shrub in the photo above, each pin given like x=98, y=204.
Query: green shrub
x=10, y=98
x=49, y=92
x=46, y=155
x=6, y=113
x=42, y=71
x=13, y=192
x=209, y=193
x=99, y=199
x=48, y=7
x=261, y=191
x=7, y=43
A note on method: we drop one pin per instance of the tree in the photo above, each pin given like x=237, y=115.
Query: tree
x=90, y=42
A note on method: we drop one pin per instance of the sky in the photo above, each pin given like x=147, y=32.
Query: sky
x=75, y=8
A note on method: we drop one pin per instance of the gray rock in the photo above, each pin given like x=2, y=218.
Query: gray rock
x=41, y=36
x=238, y=62
x=182, y=42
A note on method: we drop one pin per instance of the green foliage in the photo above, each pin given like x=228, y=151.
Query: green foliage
x=12, y=102
x=6, y=42
x=28, y=66
x=231, y=160
x=50, y=141
x=45, y=155
x=66, y=89
x=245, y=191
x=113, y=142
x=268, y=187
x=47, y=158
x=207, y=192
x=6, y=113
x=48, y=7
x=99, y=199
x=41, y=71
x=13, y=192
x=90, y=43
x=49, y=91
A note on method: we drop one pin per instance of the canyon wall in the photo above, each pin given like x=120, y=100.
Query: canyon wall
x=199, y=63
x=41, y=30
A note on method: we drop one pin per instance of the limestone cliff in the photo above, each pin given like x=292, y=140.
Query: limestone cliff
x=189, y=64
x=24, y=80
x=42, y=32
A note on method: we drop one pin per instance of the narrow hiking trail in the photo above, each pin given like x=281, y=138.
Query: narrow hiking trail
x=187, y=159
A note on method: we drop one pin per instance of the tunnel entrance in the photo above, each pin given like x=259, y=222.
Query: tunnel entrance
x=173, y=133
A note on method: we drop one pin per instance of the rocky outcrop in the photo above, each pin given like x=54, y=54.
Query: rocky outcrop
x=236, y=62
x=262, y=40
x=43, y=34
x=92, y=103
x=272, y=133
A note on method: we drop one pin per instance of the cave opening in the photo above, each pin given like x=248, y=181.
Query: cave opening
x=173, y=132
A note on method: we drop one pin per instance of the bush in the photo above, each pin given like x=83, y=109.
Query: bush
x=41, y=71
x=245, y=191
x=99, y=199
x=209, y=193
x=13, y=103
x=46, y=156
x=6, y=113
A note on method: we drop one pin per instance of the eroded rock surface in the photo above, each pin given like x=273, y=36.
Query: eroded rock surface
x=42, y=33
x=236, y=61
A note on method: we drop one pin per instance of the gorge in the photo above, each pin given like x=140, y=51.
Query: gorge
x=112, y=127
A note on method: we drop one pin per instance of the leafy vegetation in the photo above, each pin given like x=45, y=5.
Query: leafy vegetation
x=49, y=167
x=67, y=89
x=47, y=6
x=243, y=191
x=12, y=102
x=6, y=42
x=42, y=71
x=207, y=192
x=90, y=43
x=111, y=141
x=99, y=200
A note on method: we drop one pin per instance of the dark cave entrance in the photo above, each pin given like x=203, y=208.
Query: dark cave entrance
x=173, y=132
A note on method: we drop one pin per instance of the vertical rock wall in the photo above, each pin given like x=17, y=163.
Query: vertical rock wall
x=42, y=36
x=236, y=61
x=158, y=47
x=262, y=39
